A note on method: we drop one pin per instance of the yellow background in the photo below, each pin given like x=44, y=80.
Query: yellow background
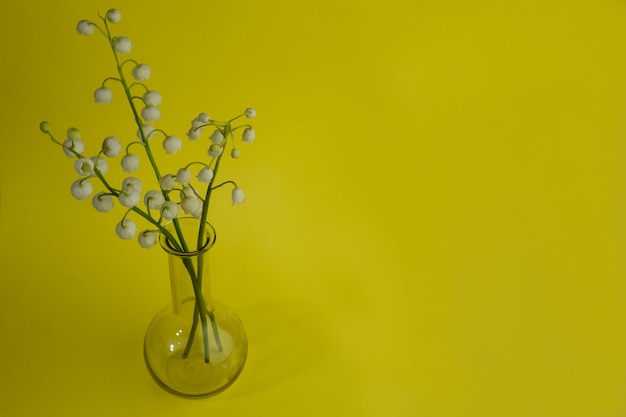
x=435, y=219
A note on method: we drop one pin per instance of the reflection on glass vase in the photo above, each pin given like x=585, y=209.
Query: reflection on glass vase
x=193, y=347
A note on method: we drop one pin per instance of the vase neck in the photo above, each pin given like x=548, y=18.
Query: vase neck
x=189, y=275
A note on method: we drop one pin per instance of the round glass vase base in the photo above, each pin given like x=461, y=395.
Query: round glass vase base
x=207, y=366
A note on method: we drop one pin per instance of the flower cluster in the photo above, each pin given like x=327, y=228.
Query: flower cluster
x=174, y=192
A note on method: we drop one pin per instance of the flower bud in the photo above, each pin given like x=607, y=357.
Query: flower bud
x=114, y=16
x=73, y=133
x=250, y=113
x=203, y=118
x=248, y=135
x=234, y=153
x=122, y=44
x=85, y=28
x=44, y=127
x=215, y=150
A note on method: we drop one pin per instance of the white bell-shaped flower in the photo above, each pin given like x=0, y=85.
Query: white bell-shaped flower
x=132, y=183
x=102, y=202
x=237, y=196
x=153, y=199
x=85, y=28
x=152, y=98
x=114, y=16
x=150, y=114
x=130, y=163
x=122, y=44
x=169, y=210
x=192, y=205
x=103, y=95
x=111, y=146
x=147, y=239
x=70, y=145
x=84, y=166
x=100, y=164
x=81, y=189
x=141, y=72
x=183, y=176
x=129, y=198
x=126, y=229
x=217, y=137
x=172, y=144
x=167, y=182
x=205, y=175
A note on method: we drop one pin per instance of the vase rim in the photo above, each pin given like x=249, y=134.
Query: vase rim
x=209, y=232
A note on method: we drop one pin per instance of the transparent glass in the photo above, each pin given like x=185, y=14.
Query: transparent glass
x=193, y=347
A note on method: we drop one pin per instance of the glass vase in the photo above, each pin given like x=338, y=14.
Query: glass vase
x=193, y=347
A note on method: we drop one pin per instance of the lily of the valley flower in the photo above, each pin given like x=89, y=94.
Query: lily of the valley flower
x=167, y=182
x=84, y=166
x=132, y=183
x=70, y=145
x=217, y=137
x=153, y=199
x=148, y=131
x=129, y=197
x=183, y=176
x=85, y=27
x=234, y=153
x=102, y=202
x=192, y=205
x=147, y=239
x=169, y=210
x=130, y=163
x=81, y=189
x=205, y=175
x=250, y=113
x=237, y=196
x=122, y=44
x=111, y=146
x=248, y=135
x=150, y=114
x=100, y=164
x=141, y=72
x=114, y=16
x=126, y=229
x=152, y=98
x=172, y=144
x=103, y=95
